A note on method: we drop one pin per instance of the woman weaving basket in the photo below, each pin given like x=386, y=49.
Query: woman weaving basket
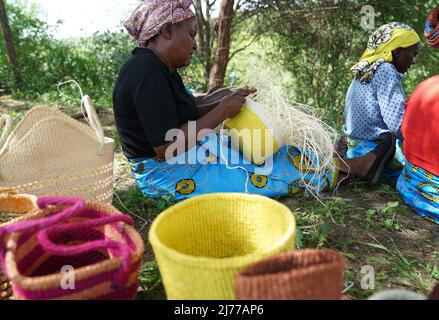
x=150, y=99
x=375, y=100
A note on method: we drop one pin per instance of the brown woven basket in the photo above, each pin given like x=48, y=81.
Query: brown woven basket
x=13, y=207
x=294, y=275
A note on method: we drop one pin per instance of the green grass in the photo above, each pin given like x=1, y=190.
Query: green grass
x=402, y=268
x=144, y=210
x=140, y=207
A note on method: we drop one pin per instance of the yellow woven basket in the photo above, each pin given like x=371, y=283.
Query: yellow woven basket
x=201, y=244
x=255, y=132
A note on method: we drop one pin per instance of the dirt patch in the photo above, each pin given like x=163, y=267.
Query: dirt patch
x=7, y=104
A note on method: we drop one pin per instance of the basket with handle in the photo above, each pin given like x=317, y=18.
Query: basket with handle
x=202, y=243
x=96, y=243
x=50, y=153
x=13, y=208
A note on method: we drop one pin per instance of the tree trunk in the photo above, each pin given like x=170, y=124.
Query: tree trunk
x=225, y=18
x=205, y=37
x=9, y=42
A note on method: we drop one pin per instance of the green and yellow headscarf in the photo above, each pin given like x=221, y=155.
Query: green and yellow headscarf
x=383, y=41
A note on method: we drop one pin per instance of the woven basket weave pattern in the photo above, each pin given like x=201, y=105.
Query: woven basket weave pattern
x=13, y=208
x=201, y=244
x=50, y=153
x=253, y=117
x=296, y=275
x=35, y=274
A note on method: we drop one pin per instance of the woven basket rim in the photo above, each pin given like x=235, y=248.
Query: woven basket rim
x=57, y=115
x=222, y=263
x=337, y=262
x=53, y=280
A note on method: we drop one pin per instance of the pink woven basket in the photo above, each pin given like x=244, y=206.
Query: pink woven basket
x=94, y=239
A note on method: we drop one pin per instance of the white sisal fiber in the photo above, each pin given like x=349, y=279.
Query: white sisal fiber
x=299, y=128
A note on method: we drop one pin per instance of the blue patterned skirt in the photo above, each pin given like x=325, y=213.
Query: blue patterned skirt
x=420, y=191
x=214, y=172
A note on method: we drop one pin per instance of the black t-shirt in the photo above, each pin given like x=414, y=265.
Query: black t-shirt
x=147, y=102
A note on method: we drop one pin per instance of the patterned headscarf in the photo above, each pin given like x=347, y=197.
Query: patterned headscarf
x=432, y=28
x=383, y=41
x=148, y=19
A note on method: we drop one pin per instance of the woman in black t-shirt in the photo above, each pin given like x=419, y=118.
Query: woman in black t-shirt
x=159, y=121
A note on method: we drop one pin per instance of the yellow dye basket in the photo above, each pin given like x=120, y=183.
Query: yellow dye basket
x=255, y=132
x=201, y=244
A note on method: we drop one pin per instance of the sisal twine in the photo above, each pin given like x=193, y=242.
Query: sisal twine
x=294, y=275
x=298, y=127
x=50, y=153
x=290, y=124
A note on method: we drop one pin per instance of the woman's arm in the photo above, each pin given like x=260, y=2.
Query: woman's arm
x=209, y=101
x=227, y=108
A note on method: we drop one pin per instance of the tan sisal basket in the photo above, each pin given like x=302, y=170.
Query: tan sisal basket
x=50, y=153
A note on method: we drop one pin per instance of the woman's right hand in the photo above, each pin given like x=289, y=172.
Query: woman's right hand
x=233, y=104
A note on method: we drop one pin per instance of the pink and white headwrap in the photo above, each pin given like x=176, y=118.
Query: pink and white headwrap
x=148, y=19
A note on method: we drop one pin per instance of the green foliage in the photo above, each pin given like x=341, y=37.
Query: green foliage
x=368, y=221
x=387, y=215
x=44, y=61
x=317, y=42
x=405, y=267
x=309, y=45
x=150, y=282
x=317, y=221
x=133, y=202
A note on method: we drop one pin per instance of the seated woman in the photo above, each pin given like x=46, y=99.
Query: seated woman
x=150, y=100
x=419, y=182
x=375, y=100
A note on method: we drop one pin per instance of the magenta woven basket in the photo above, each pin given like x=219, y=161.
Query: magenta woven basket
x=70, y=249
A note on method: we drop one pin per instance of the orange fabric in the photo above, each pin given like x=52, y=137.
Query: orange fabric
x=420, y=126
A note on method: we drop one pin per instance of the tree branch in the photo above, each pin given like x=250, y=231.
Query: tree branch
x=245, y=46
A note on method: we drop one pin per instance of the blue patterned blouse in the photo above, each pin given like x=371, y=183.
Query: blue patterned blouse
x=377, y=107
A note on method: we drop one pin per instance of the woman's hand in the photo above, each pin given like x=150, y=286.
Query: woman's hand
x=233, y=104
x=228, y=107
